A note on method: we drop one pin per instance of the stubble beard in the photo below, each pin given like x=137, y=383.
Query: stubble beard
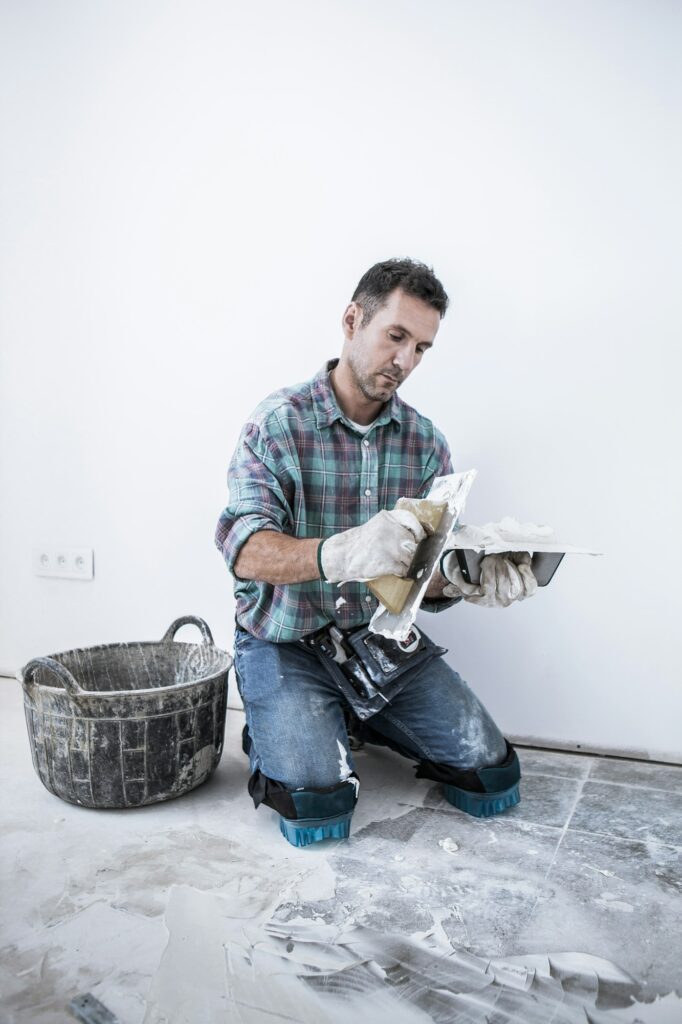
x=369, y=384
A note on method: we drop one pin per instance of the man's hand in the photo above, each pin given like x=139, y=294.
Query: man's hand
x=384, y=545
x=505, y=578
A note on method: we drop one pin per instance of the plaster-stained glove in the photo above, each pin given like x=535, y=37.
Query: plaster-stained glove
x=384, y=545
x=505, y=578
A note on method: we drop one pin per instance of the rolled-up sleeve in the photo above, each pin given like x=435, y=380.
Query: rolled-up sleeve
x=257, y=499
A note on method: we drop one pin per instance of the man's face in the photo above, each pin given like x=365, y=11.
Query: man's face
x=385, y=352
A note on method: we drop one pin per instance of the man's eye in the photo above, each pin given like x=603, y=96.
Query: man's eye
x=396, y=337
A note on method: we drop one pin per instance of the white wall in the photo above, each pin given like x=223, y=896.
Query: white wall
x=189, y=194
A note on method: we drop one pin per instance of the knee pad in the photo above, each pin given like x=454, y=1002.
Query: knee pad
x=308, y=815
x=482, y=792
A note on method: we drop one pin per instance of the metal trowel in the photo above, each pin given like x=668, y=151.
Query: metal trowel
x=400, y=597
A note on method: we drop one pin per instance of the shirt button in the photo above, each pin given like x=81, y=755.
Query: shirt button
x=366, y=443
x=368, y=598
x=367, y=493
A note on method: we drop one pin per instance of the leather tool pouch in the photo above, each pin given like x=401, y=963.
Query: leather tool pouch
x=370, y=669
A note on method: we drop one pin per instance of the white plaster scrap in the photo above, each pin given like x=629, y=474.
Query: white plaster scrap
x=610, y=903
x=602, y=871
x=449, y=845
x=411, y=883
x=340, y=601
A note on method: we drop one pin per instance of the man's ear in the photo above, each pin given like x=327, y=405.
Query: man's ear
x=351, y=319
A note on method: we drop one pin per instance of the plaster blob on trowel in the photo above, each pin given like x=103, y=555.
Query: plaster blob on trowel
x=471, y=544
x=450, y=494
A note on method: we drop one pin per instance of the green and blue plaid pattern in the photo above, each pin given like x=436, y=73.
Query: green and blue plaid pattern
x=302, y=468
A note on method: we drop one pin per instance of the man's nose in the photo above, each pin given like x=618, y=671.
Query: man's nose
x=404, y=359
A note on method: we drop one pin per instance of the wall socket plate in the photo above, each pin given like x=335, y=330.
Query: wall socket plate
x=65, y=562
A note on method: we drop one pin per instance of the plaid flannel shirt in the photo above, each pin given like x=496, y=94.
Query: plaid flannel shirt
x=300, y=467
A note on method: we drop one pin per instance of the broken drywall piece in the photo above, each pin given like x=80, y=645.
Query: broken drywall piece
x=321, y=972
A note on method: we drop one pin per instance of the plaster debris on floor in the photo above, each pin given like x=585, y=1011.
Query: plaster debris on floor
x=567, y=908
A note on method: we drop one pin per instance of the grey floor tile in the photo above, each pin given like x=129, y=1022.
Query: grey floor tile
x=616, y=899
x=554, y=762
x=629, y=812
x=475, y=881
x=637, y=773
x=546, y=800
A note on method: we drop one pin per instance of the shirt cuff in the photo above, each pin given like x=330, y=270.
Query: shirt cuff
x=238, y=534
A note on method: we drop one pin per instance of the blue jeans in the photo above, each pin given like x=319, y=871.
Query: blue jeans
x=296, y=723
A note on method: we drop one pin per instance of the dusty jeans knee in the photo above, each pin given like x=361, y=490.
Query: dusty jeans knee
x=298, y=746
x=294, y=714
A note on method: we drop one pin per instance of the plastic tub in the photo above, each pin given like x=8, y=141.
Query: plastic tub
x=122, y=725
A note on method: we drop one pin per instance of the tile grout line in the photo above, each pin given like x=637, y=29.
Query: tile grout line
x=561, y=838
x=568, y=822
x=631, y=840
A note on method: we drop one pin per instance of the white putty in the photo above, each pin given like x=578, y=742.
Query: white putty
x=340, y=601
x=344, y=768
x=449, y=845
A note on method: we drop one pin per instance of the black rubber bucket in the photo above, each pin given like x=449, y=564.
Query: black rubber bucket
x=124, y=725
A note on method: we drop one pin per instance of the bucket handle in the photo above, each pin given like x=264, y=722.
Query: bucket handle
x=57, y=669
x=185, y=620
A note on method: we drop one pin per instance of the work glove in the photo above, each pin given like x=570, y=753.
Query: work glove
x=384, y=545
x=505, y=578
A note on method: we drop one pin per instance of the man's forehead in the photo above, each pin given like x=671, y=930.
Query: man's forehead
x=409, y=313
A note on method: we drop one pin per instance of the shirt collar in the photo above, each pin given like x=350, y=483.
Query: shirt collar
x=327, y=409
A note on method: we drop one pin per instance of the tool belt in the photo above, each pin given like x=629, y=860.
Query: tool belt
x=370, y=669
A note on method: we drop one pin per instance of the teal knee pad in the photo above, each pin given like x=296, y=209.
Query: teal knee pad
x=306, y=831
x=482, y=805
x=308, y=815
x=481, y=792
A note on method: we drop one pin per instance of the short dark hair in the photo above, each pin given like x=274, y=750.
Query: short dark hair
x=411, y=276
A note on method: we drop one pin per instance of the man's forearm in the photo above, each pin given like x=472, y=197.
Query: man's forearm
x=272, y=557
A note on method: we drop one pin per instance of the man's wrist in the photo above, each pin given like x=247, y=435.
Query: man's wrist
x=434, y=591
x=319, y=562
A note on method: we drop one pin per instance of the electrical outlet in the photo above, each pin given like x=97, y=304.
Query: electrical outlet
x=65, y=562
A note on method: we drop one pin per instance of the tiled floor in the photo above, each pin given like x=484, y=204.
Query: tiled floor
x=568, y=908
